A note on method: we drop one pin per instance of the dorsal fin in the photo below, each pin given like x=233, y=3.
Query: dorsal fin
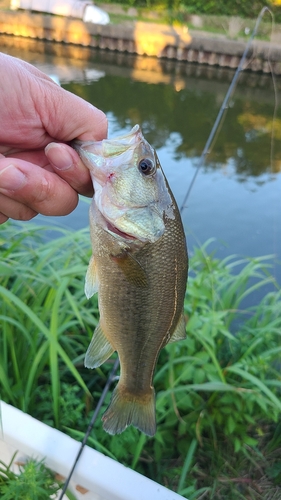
x=179, y=332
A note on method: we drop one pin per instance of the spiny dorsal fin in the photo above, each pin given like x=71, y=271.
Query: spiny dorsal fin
x=179, y=333
x=131, y=268
x=99, y=349
x=91, y=280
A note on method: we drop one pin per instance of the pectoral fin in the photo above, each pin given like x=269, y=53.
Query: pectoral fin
x=99, y=349
x=179, y=333
x=91, y=280
x=131, y=268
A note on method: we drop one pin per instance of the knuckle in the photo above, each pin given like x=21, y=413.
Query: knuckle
x=25, y=214
x=44, y=192
x=3, y=218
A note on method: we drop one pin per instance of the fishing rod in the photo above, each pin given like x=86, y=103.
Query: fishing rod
x=109, y=381
x=224, y=106
x=202, y=158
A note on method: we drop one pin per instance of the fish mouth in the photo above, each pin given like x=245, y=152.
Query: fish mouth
x=115, y=230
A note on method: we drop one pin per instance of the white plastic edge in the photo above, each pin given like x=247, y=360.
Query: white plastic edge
x=94, y=471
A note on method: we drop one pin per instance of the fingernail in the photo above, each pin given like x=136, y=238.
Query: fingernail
x=12, y=178
x=59, y=157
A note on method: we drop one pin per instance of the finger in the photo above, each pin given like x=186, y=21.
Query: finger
x=66, y=116
x=42, y=191
x=3, y=218
x=12, y=209
x=67, y=164
x=37, y=157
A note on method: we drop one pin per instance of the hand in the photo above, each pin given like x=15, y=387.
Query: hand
x=34, y=113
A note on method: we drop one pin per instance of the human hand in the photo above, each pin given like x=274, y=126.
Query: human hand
x=34, y=113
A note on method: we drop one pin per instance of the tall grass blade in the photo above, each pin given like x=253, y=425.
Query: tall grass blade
x=187, y=464
x=257, y=383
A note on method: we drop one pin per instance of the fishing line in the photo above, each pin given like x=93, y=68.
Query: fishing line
x=213, y=134
x=224, y=106
x=110, y=379
x=272, y=142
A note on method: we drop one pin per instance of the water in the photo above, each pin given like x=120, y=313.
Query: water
x=236, y=198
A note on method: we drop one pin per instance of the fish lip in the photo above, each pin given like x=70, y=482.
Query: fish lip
x=113, y=229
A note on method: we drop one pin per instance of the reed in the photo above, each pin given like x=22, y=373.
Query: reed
x=46, y=320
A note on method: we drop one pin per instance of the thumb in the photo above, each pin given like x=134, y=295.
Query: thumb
x=67, y=116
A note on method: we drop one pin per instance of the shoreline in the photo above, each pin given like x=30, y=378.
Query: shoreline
x=144, y=38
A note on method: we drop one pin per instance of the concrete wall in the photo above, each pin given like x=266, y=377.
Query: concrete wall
x=151, y=39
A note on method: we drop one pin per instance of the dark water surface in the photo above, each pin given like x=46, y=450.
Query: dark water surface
x=236, y=198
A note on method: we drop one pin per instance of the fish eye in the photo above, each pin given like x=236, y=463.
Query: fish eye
x=146, y=166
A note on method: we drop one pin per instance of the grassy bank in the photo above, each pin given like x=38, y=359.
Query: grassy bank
x=218, y=392
x=235, y=21
x=232, y=20
x=243, y=9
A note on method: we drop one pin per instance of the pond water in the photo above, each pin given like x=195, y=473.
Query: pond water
x=236, y=198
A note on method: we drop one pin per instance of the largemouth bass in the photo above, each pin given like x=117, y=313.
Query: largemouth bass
x=139, y=269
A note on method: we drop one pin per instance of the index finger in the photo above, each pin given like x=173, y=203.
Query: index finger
x=67, y=116
x=36, y=188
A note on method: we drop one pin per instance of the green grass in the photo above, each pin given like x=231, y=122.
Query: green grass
x=34, y=482
x=218, y=392
x=181, y=15
x=41, y=303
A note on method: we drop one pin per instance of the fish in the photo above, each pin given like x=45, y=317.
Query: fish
x=139, y=268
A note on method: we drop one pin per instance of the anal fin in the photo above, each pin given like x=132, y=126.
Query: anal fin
x=99, y=349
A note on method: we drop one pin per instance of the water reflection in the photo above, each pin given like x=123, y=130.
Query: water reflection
x=236, y=197
x=245, y=136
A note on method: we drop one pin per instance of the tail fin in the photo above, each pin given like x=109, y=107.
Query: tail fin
x=129, y=409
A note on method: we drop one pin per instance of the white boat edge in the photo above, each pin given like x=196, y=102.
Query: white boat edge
x=105, y=478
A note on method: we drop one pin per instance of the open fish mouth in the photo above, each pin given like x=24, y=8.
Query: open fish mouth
x=115, y=230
